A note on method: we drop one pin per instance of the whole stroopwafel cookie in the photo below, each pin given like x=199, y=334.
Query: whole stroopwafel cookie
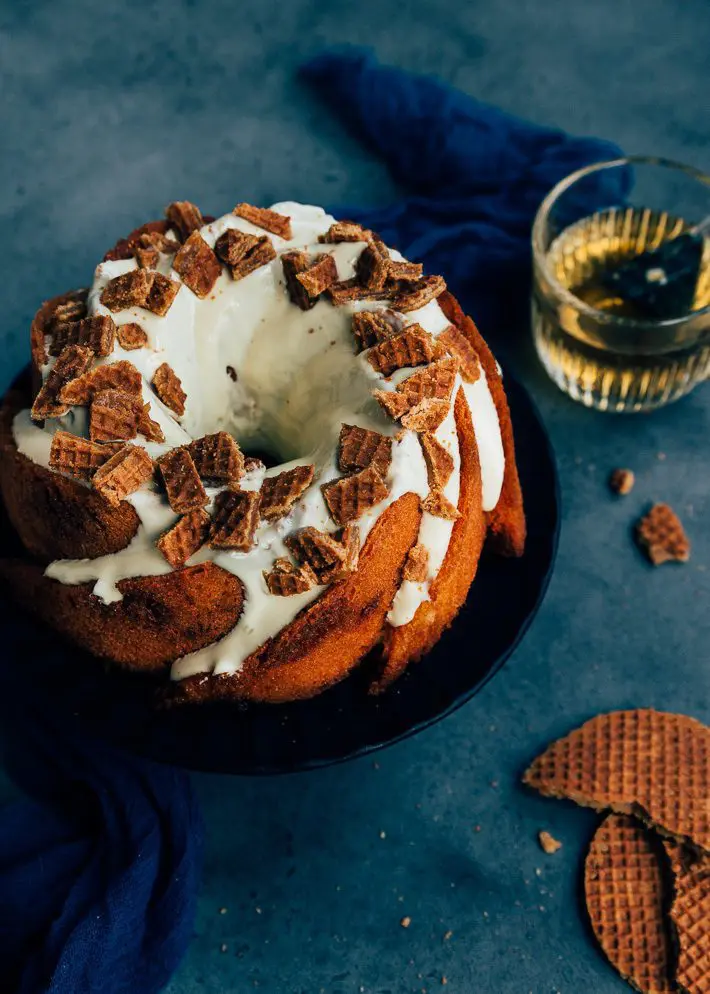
x=690, y=917
x=651, y=763
x=624, y=891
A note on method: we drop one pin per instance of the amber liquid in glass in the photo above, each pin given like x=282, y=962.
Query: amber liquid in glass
x=626, y=370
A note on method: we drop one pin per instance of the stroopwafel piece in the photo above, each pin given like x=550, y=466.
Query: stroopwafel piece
x=232, y=246
x=416, y=564
x=168, y=387
x=650, y=763
x=690, y=917
x=121, y=375
x=360, y=447
x=371, y=327
x=97, y=333
x=140, y=288
x=346, y=231
x=460, y=347
x=185, y=538
x=279, y=493
x=660, y=534
x=262, y=217
x=319, y=276
x=439, y=461
x=114, y=415
x=434, y=382
x=184, y=218
x=131, y=336
x=257, y=255
x=330, y=556
x=346, y=291
x=236, y=515
x=624, y=890
x=123, y=474
x=293, y=264
x=77, y=457
x=437, y=504
x=217, y=458
x=286, y=579
x=351, y=496
x=148, y=428
x=415, y=295
x=182, y=482
x=426, y=416
x=197, y=265
x=373, y=265
x=70, y=310
x=412, y=347
x=409, y=272
x=73, y=362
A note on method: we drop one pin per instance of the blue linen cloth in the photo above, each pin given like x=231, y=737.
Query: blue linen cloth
x=99, y=866
x=473, y=178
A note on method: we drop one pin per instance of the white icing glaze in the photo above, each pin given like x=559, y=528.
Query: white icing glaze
x=297, y=382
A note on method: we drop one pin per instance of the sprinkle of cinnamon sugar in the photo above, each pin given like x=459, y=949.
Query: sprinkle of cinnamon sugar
x=182, y=482
x=123, y=474
x=277, y=224
x=169, y=389
x=185, y=538
x=197, y=265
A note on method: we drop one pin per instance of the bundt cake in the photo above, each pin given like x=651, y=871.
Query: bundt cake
x=256, y=449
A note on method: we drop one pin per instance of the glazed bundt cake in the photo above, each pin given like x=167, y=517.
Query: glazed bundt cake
x=256, y=449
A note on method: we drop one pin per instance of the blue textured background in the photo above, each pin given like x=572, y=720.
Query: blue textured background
x=107, y=112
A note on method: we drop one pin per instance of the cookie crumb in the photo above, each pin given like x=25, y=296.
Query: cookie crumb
x=660, y=534
x=548, y=843
x=621, y=481
x=405, y=922
x=223, y=911
x=447, y=935
x=223, y=947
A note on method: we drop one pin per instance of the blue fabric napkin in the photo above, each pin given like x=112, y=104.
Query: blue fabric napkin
x=99, y=867
x=473, y=176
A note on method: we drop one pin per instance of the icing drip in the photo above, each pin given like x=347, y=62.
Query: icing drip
x=297, y=382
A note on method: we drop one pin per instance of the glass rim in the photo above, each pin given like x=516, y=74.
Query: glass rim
x=566, y=295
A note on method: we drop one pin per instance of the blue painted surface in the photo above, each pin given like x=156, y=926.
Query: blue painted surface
x=108, y=112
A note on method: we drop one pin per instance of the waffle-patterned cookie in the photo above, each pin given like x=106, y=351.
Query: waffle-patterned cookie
x=373, y=265
x=346, y=231
x=148, y=428
x=77, y=457
x=217, y=457
x=233, y=246
x=439, y=461
x=331, y=557
x=262, y=217
x=690, y=917
x=350, y=497
x=184, y=218
x=114, y=416
x=131, y=336
x=319, y=276
x=624, y=890
x=279, y=493
x=121, y=375
x=236, y=515
x=74, y=360
x=360, y=447
x=660, y=534
x=294, y=264
x=437, y=504
x=140, y=288
x=412, y=347
x=459, y=346
x=412, y=296
x=185, y=538
x=168, y=386
x=651, y=763
x=182, y=482
x=197, y=265
x=96, y=333
x=371, y=327
x=426, y=416
x=286, y=579
x=123, y=474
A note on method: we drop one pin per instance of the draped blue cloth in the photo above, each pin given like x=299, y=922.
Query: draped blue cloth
x=472, y=178
x=99, y=865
